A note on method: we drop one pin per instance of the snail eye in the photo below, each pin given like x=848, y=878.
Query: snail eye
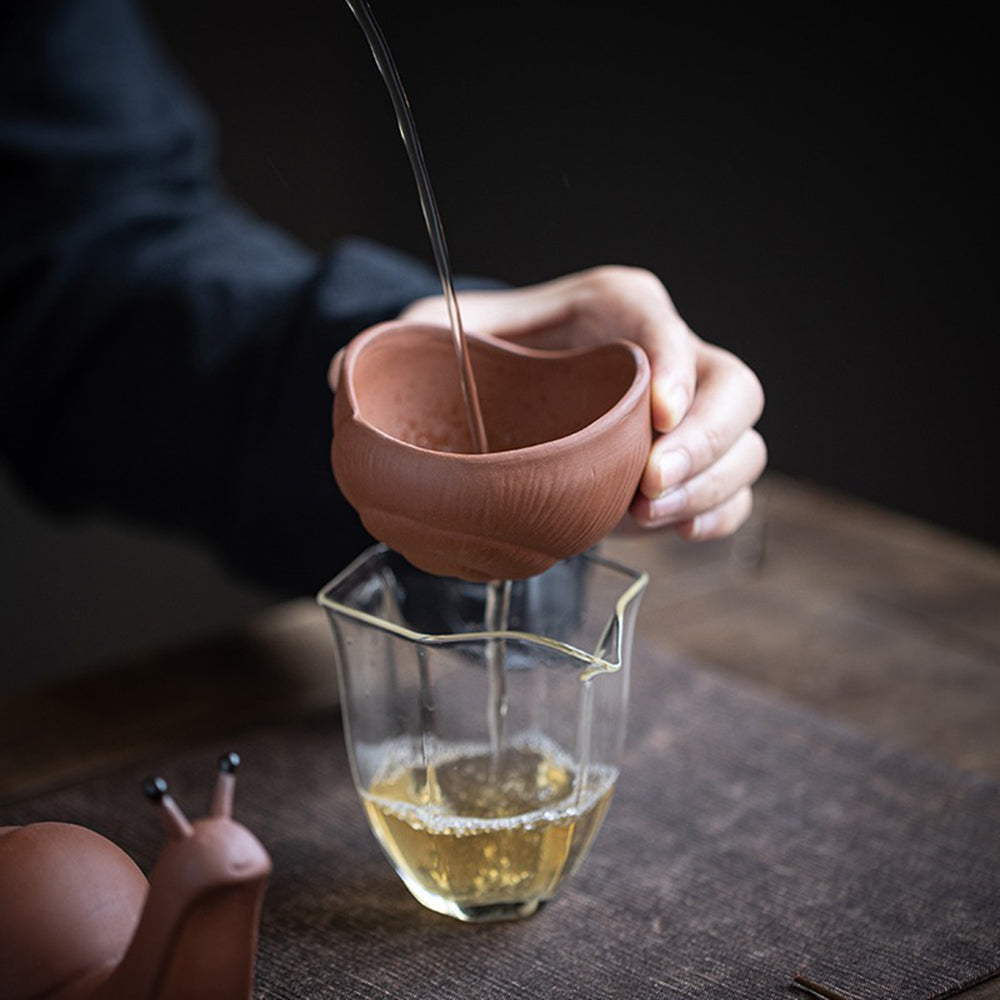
x=155, y=788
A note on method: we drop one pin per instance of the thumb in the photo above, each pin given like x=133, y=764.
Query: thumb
x=672, y=361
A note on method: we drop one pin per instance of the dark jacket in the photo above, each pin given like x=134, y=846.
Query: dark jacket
x=163, y=352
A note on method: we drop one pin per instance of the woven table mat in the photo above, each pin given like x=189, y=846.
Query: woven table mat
x=749, y=841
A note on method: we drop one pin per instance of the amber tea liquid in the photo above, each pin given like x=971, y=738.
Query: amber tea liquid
x=478, y=841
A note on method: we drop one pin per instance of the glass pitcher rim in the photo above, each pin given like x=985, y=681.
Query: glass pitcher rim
x=596, y=663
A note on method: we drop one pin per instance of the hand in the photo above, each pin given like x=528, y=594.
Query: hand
x=705, y=401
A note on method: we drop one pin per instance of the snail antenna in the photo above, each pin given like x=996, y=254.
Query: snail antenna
x=225, y=785
x=176, y=823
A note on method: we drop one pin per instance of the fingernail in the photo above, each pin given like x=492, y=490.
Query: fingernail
x=704, y=525
x=672, y=468
x=672, y=502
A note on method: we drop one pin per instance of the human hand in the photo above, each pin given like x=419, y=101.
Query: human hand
x=706, y=454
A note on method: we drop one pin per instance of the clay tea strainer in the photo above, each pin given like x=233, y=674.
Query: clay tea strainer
x=568, y=430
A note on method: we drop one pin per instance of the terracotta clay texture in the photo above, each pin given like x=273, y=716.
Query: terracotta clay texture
x=569, y=434
x=46, y=869
x=79, y=920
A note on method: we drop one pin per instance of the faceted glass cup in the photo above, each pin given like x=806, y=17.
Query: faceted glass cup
x=485, y=723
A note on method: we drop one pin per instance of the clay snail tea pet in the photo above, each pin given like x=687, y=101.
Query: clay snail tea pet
x=79, y=921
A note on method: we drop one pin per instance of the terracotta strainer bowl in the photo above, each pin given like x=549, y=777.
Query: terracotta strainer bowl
x=569, y=434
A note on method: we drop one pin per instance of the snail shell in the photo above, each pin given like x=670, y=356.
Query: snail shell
x=70, y=903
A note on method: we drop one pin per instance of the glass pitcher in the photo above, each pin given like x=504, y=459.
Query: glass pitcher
x=484, y=722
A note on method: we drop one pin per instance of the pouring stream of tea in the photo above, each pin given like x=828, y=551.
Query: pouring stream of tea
x=497, y=591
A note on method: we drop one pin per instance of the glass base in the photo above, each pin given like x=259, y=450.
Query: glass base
x=486, y=913
x=495, y=911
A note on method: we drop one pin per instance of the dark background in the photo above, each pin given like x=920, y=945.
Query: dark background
x=811, y=188
x=813, y=191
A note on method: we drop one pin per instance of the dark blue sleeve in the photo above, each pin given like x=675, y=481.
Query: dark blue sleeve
x=163, y=352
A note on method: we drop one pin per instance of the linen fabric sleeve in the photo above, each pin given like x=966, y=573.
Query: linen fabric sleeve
x=163, y=352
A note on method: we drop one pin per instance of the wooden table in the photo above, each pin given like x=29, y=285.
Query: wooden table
x=869, y=617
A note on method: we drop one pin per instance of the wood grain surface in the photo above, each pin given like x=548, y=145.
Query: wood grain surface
x=874, y=619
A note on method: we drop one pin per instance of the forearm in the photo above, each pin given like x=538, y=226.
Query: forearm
x=163, y=354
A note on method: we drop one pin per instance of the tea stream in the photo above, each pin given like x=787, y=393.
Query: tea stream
x=497, y=598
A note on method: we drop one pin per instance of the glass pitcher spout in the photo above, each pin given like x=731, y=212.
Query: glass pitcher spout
x=376, y=591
